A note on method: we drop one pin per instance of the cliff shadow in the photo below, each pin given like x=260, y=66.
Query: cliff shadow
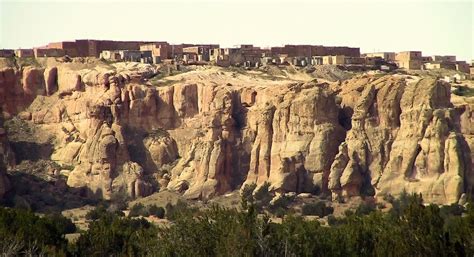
x=46, y=196
x=31, y=151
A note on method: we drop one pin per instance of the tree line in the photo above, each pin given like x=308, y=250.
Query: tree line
x=410, y=228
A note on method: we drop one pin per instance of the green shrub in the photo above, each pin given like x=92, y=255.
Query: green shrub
x=145, y=211
x=180, y=209
x=138, y=210
x=317, y=209
x=259, y=198
x=452, y=210
x=463, y=91
x=365, y=208
x=101, y=211
x=156, y=211
x=23, y=231
x=111, y=235
x=96, y=213
x=280, y=206
x=246, y=194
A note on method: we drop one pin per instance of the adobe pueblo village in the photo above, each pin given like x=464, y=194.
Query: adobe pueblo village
x=158, y=123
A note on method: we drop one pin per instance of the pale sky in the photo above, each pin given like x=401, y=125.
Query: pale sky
x=434, y=27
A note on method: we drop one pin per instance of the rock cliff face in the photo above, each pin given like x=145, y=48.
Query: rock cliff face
x=405, y=135
x=465, y=106
x=211, y=132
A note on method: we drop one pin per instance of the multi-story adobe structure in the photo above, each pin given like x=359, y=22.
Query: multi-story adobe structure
x=202, y=52
x=93, y=48
x=246, y=55
x=252, y=55
x=226, y=56
x=411, y=60
x=159, y=50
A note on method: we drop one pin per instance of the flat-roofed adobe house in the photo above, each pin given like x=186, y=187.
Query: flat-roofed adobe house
x=411, y=60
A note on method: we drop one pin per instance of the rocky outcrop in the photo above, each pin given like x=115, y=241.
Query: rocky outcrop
x=405, y=136
x=296, y=139
x=11, y=91
x=51, y=80
x=372, y=107
x=210, y=133
x=465, y=107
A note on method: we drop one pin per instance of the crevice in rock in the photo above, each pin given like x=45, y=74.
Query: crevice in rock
x=345, y=117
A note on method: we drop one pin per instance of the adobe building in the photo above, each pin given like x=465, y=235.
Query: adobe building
x=356, y=60
x=48, y=52
x=69, y=48
x=411, y=60
x=93, y=48
x=6, y=53
x=317, y=60
x=439, y=65
x=445, y=58
x=252, y=55
x=338, y=50
x=387, y=56
x=301, y=61
x=315, y=50
x=22, y=53
x=191, y=58
x=127, y=55
x=198, y=53
x=246, y=55
x=293, y=50
x=334, y=60
x=159, y=51
x=226, y=56
x=111, y=55
x=462, y=66
x=426, y=59
x=176, y=51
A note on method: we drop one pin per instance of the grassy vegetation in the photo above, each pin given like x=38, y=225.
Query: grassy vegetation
x=164, y=72
x=18, y=128
x=27, y=61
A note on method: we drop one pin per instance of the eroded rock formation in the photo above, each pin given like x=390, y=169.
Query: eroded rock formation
x=405, y=135
x=211, y=132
